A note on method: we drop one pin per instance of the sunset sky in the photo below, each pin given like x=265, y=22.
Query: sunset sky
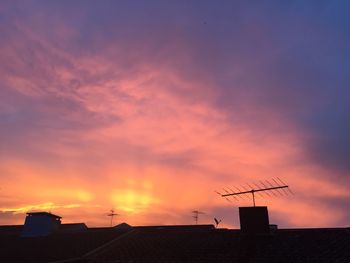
x=147, y=107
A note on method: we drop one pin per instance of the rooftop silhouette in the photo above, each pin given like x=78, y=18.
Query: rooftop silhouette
x=256, y=241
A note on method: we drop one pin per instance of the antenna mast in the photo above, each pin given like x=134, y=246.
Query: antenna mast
x=112, y=214
x=196, y=214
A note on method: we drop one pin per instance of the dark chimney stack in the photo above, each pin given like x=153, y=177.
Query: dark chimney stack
x=254, y=220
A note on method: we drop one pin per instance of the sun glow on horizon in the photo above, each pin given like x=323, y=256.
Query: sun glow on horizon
x=134, y=198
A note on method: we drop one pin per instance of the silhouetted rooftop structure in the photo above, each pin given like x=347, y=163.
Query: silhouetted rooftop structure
x=254, y=219
x=69, y=241
x=175, y=243
x=48, y=214
x=224, y=245
x=40, y=224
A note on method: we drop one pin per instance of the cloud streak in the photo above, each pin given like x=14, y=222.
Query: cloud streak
x=45, y=206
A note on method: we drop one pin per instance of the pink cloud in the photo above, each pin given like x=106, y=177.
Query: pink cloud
x=134, y=131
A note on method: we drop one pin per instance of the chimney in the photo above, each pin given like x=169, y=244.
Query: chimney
x=39, y=224
x=254, y=220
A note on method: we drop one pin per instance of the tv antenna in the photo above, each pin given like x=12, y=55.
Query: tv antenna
x=277, y=187
x=196, y=214
x=112, y=215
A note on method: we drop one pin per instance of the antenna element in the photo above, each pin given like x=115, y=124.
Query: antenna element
x=112, y=215
x=196, y=214
x=270, y=187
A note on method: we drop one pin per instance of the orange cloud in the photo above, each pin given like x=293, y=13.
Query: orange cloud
x=39, y=207
x=114, y=130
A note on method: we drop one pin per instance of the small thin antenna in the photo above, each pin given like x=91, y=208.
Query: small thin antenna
x=257, y=186
x=277, y=190
x=225, y=190
x=272, y=191
x=227, y=199
x=239, y=190
x=284, y=190
x=284, y=183
x=196, y=214
x=253, y=188
x=265, y=189
x=112, y=215
x=233, y=196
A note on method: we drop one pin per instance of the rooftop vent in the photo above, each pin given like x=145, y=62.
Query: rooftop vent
x=254, y=220
x=39, y=224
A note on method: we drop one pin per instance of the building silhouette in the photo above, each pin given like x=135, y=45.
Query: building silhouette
x=43, y=238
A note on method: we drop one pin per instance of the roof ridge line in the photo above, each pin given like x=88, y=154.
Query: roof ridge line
x=108, y=244
x=95, y=251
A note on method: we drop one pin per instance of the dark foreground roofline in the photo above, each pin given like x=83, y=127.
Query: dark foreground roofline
x=176, y=227
x=322, y=245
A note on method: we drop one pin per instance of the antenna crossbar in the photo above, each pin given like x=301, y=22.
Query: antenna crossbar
x=196, y=214
x=112, y=215
x=255, y=190
x=275, y=186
